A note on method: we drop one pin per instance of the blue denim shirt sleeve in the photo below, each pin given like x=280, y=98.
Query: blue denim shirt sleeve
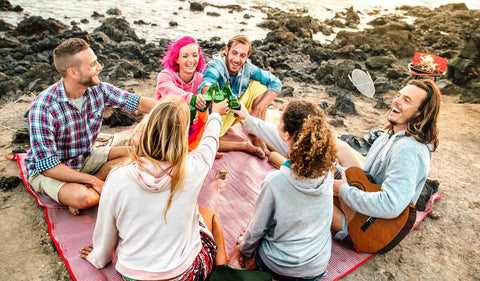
x=211, y=75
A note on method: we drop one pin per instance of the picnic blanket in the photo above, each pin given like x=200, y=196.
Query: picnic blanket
x=234, y=207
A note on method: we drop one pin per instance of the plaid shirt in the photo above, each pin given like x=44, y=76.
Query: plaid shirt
x=60, y=133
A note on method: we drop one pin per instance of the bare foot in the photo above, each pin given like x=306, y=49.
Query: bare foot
x=259, y=143
x=218, y=155
x=74, y=211
x=255, y=150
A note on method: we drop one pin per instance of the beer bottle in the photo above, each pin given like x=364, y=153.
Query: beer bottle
x=193, y=113
x=232, y=99
x=219, y=97
x=208, y=97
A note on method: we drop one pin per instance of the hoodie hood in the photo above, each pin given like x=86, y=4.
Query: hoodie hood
x=151, y=178
x=313, y=187
x=193, y=84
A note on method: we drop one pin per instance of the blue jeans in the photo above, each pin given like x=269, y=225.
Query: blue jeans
x=262, y=267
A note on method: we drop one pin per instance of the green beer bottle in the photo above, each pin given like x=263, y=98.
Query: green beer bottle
x=232, y=99
x=193, y=113
x=208, y=97
x=219, y=97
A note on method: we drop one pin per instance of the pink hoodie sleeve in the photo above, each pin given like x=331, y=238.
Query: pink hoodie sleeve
x=166, y=86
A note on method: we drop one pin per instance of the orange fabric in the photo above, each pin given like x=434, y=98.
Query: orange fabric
x=196, y=130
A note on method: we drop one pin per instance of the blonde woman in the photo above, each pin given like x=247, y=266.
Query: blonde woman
x=148, y=208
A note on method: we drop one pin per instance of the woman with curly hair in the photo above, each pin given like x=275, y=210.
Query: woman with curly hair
x=289, y=235
x=181, y=76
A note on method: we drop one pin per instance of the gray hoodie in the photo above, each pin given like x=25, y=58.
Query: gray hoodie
x=291, y=224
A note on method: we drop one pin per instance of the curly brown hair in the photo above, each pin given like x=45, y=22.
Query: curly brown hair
x=313, y=151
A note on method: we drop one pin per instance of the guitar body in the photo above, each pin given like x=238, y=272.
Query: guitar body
x=374, y=235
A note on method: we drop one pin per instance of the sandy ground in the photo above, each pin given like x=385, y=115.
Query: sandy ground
x=443, y=249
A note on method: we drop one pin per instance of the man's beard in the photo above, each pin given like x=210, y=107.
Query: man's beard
x=90, y=82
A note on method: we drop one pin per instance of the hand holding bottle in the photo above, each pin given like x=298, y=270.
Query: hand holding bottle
x=200, y=102
x=220, y=107
x=242, y=112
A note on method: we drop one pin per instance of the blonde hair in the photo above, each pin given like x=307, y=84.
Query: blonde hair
x=313, y=152
x=163, y=137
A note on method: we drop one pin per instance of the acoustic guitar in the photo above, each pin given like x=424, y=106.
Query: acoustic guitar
x=370, y=234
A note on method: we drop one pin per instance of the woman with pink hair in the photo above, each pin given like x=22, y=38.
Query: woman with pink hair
x=181, y=76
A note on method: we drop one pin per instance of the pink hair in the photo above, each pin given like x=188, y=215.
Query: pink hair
x=174, y=50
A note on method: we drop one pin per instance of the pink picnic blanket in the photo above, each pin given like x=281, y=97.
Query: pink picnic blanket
x=234, y=207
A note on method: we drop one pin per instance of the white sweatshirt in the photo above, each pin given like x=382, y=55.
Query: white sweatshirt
x=131, y=215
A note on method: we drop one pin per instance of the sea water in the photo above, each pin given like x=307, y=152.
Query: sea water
x=159, y=15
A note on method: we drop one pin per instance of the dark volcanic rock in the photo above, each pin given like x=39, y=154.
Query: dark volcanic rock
x=5, y=5
x=286, y=91
x=378, y=63
x=118, y=29
x=471, y=94
x=5, y=26
x=8, y=183
x=344, y=103
x=114, y=12
x=36, y=25
x=196, y=6
x=21, y=136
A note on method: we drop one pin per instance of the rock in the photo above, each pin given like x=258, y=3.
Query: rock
x=118, y=29
x=5, y=26
x=118, y=118
x=471, y=94
x=196, y=6
x=37, y=25
x=434, y=215
x=344, y=103
x=8, y=183
x=327, y=79
x=453, y=7
x=337, y=122
x=381, y=103
x=286, y=91
x=84, y=21
x=335, y=92
x=114, y=12
x=172, y=23
x=247, y=16
x=97, y=15
x=460, y=71
x=448, y=88
x=351, y=18
x=378, y=63
x=140, y=22
x=21, y=136
x=213, y=14
x=269, y=24
x=471, y=51
x=282, y=36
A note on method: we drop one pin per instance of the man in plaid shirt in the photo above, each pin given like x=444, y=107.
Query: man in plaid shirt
x=66, y=160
